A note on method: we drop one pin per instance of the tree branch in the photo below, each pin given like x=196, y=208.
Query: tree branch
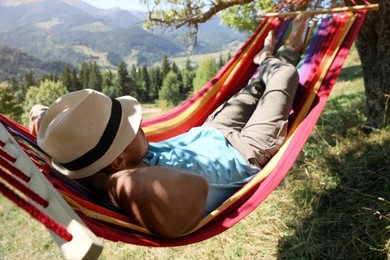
x=193, y=15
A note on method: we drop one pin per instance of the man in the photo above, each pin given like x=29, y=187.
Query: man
x=164, y=186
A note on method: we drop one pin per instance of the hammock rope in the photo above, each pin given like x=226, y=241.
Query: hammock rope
x=23, y=169
x=31, y=209
x=20, y=186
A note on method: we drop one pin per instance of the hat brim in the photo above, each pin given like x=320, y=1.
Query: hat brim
x=128, y=128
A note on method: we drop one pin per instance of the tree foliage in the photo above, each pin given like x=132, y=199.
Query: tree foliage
x=9, y=105
x=46, y=93
x=170, y=91
x=204, y=73
x=177, y=13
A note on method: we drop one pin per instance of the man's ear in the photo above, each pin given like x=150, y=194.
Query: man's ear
x=119, y=163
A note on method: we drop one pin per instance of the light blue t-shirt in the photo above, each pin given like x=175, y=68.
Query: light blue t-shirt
x=206, y=152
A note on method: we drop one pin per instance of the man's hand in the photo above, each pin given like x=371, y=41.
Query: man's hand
x=36, y=115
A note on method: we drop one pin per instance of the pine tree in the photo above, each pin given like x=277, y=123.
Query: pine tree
x=134, y=73
x=156, y=80
x=14, y=83
x=28, y=80
x=165, y=65
x=124, y=82
x=66, y=79
x=95, y=77
x=174, y=67
x=188, y=66
x=144, y=84
x=75, y=80
x=108, y=87
x=84, y=75
x=136, y=83
x=17, y=89
x=145, y=75
x=187, y=82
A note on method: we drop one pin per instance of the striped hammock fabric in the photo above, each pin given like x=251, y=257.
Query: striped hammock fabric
x=329, y=39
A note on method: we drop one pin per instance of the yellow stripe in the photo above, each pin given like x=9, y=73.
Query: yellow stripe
x=102, y=217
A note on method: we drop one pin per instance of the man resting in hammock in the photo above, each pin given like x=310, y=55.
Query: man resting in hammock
x=166, y=187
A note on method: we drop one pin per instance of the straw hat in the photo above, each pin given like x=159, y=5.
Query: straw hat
x=84, y=131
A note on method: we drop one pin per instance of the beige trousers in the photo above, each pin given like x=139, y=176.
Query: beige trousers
x=255, y=120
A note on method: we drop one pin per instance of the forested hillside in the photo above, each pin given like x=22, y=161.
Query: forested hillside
x=15, y=63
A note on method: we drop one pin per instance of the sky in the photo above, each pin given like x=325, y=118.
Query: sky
x=123, y=4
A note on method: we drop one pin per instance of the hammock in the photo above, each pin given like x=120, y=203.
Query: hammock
x=329, y=39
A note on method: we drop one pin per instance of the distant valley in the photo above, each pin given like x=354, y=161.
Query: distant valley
x=71, y=31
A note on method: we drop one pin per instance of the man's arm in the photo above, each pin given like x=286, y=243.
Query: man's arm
x=164, y=200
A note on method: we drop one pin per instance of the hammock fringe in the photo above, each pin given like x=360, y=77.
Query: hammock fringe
x=356, y=8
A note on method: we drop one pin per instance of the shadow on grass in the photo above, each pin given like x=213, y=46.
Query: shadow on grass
x=350, y=220
x=350, y=73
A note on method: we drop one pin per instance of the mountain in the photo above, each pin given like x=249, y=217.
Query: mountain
x=16, y=63
x=74, y=31
x=19, y=13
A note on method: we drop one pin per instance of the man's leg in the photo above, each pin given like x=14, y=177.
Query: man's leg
x=266, y=129
x=234, y=114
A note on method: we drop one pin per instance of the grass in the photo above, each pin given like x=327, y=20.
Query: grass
x=334, y=204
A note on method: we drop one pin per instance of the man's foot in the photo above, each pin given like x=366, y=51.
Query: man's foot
x=298, y=29
x=268, y=49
